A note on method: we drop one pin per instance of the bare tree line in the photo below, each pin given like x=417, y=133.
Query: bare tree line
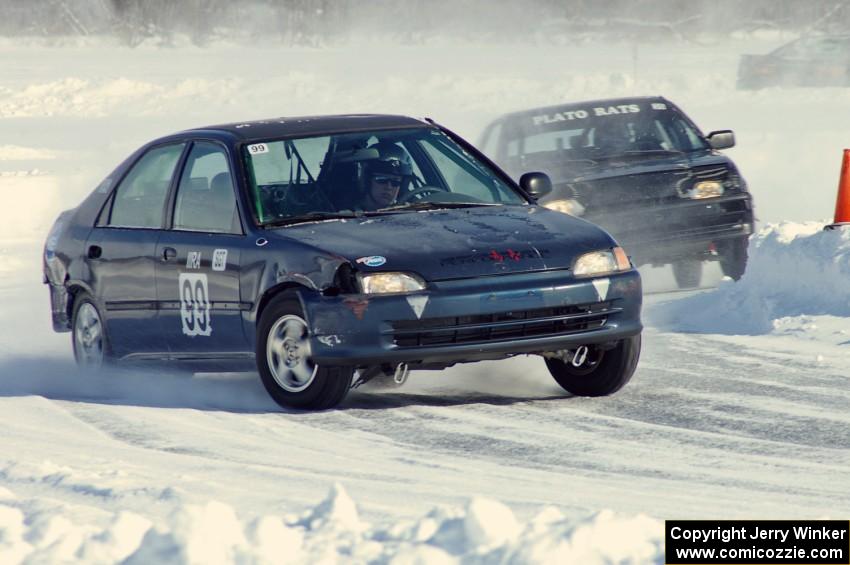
x=311, y=21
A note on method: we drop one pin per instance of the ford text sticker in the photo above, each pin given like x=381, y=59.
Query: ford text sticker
x=258, y=148
x=372, y=260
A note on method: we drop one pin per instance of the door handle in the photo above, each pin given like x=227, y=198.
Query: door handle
x=95, y=251
x=169, y=253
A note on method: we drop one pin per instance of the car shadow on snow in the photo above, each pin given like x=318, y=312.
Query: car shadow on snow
x=382, y=400
x=60, y=379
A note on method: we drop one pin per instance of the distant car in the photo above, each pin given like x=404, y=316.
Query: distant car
x=642, y=170
x=808, y=61
x=259, y=242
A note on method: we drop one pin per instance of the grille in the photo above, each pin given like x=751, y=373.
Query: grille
x=502, y=326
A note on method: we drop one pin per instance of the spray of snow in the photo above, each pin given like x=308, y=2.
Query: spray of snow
x=795, y=269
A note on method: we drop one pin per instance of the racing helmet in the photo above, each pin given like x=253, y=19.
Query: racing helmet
x=391, y=160
x=385, y=158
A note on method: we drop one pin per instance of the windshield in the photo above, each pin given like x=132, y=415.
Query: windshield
x=345, y=175
x=601, y=131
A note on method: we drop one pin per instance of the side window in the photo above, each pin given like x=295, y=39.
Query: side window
x=205, y=199
x=139, y=199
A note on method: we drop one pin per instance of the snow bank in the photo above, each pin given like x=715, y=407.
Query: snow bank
x=92, y=95
x=794, y=269
x=90, y=98
x=16, y=152
x=484, y=532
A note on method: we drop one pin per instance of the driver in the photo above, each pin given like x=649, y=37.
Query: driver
x=612, y=135
x=385, y=176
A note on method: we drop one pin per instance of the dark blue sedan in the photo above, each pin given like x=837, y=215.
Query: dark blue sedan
x=333, y=250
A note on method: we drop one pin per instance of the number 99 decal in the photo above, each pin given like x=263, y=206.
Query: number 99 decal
x=195, y=304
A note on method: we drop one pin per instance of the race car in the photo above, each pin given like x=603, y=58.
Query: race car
x=333, y=250
x=819, y=60
x=642, y=170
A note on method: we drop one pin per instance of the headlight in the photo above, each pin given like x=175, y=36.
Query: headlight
x=706, y=189
x=571, y=207
x=602, y=262
x=386, y=283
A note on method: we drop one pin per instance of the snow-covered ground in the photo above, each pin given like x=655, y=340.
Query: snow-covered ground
x=739, y=407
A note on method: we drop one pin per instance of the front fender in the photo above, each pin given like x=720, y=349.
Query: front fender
x=284, y=264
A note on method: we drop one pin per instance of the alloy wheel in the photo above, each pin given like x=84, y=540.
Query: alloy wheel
x=88, y=337
x=288, y=354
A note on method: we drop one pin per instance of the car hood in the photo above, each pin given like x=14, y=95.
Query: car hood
x=455, y=243
x=569, y=171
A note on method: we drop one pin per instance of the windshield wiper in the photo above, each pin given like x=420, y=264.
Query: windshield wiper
x=428, y=205
x=634, y=153
x=651, y=151
x=312, y=217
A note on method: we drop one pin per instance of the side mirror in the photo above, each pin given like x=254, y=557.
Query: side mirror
x=536, y=185
x=721, y=139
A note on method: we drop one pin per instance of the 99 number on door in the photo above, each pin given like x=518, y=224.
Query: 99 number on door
x=195, y=304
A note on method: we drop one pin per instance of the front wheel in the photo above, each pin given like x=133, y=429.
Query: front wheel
x=733, y=257
x=688, y=273
x=602, y=371
x=286, y=368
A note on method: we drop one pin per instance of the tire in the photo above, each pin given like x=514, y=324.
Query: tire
x=89, y=338
x=603, y=373
x=287, y=372
x=733, y=257
x=688, y=273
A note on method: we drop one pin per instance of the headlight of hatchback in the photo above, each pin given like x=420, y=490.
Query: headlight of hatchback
x=602, y=262
x=387, y=283
x=566, y=206
x=706, y=189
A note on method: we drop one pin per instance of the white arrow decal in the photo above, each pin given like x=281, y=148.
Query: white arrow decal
x=601, y=286
x=418, y=304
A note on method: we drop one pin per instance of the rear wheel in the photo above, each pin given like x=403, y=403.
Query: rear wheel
x=688, y=273
x=733, y=257
x=88, y=334
x=602, y=372
x=284, y=363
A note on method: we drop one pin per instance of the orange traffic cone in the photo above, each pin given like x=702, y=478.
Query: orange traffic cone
x=842, y=204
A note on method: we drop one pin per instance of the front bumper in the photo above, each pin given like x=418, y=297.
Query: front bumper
x=678, y=230
x=474, y=319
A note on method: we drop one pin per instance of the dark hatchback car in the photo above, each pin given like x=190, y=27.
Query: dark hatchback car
x=642, y=170
x=332, y=250
x=822, y=60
